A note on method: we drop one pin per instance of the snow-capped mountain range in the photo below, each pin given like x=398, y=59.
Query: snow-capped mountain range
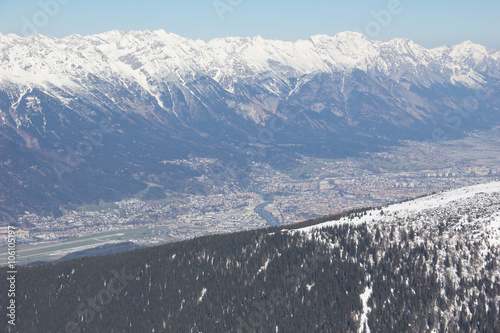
x=143, y=57
x=163, y=96
x=253, y=77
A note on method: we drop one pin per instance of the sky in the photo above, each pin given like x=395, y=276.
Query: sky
x=428, y=23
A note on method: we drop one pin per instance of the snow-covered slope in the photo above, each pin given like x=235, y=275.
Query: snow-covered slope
x=475, y=208
x=452, y=238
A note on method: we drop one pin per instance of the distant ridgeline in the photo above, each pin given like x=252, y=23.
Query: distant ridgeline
x=424, y=265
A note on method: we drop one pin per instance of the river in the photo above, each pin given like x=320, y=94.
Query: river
x=271, y=220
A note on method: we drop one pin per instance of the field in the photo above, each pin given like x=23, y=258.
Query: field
x=53, y=250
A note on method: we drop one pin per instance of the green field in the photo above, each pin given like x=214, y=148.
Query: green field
x=101, y=207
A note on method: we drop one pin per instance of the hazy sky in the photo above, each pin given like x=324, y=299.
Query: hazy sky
x=429, y=23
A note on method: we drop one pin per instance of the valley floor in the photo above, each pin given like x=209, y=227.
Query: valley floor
x=313, y=188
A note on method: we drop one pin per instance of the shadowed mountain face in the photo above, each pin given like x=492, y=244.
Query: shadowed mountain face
x=89, y=118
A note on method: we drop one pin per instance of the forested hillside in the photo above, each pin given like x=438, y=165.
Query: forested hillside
x=428, y=265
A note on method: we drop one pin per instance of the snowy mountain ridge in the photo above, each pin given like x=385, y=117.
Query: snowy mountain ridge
x=144, y=57
x=461, y=227
x=475, y=207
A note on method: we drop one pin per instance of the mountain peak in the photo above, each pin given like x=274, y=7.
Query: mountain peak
x=346, y=36
x=469, y=52
x=349, y=35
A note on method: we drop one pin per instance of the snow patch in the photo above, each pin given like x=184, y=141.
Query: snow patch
x=365, y=296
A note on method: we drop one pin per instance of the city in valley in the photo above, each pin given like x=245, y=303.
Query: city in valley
x=313, y=188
